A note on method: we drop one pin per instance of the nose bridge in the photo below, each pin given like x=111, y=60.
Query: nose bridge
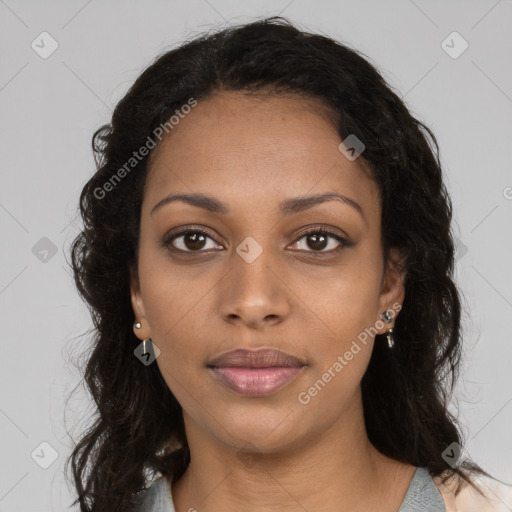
x=253, y=290
x=252, y=262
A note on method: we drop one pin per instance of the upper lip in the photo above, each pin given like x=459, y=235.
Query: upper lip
x=261, y=358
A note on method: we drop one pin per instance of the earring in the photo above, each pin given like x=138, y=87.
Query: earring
x=147, y=346
x=386, y=316
x=391, y=340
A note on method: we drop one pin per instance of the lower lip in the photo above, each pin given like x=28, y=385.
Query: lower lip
x=256, y=381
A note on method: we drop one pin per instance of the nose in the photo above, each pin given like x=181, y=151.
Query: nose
x=254, y=294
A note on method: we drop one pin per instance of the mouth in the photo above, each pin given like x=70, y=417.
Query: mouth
x=256, y=373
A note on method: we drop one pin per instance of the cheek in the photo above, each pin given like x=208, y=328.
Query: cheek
x=173, y=297
x=344, y=306
x=335, y=377
x=177, y=306
x=341, y=303
x=348, y=353
x=181, y=360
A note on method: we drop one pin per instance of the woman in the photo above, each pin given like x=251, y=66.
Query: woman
x=268, y=259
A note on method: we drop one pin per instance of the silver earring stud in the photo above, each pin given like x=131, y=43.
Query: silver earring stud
x=386, y=316
x=137, y=325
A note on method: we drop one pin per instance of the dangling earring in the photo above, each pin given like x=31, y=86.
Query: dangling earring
x=147, y=344
x=146, y=351
x=386, y=316
x=391, y=340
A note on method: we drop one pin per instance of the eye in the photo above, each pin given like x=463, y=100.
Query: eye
x=190, y=240
x=318, y=240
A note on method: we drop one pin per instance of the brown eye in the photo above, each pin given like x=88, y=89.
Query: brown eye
x=190, y=241
x=318, y=240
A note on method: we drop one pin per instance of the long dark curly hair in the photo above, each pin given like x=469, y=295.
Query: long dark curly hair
x=138, y=428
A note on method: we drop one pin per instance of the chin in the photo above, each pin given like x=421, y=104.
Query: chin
x=267, y=432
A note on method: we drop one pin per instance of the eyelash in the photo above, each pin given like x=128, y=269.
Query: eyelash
x=167, y=242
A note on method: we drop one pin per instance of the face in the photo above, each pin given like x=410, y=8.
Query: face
x=267, y=269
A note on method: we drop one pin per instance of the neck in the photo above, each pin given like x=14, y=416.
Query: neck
x=339, y=470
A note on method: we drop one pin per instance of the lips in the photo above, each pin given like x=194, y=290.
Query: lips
x=255, y=373
x=262, y=358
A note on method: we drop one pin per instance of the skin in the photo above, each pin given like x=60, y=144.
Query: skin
x=269, y=452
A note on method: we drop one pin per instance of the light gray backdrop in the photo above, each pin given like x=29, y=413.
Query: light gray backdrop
x=53, y=97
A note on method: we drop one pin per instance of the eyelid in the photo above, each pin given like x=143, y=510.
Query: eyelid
x=330, y=230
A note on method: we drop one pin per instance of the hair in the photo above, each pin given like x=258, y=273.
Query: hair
x=138, y=429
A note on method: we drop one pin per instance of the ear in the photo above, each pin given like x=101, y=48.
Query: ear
x=138, y=307
x=393, y=289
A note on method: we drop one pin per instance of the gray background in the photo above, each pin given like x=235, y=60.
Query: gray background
x=50, y=108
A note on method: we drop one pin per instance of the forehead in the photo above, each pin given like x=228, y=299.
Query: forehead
x=240, y=147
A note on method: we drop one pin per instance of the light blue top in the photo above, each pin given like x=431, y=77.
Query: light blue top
x=422, y=496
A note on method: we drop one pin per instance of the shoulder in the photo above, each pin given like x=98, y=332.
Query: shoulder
x=468, y=499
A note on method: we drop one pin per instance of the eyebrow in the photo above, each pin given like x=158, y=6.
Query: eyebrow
x=287, y=207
